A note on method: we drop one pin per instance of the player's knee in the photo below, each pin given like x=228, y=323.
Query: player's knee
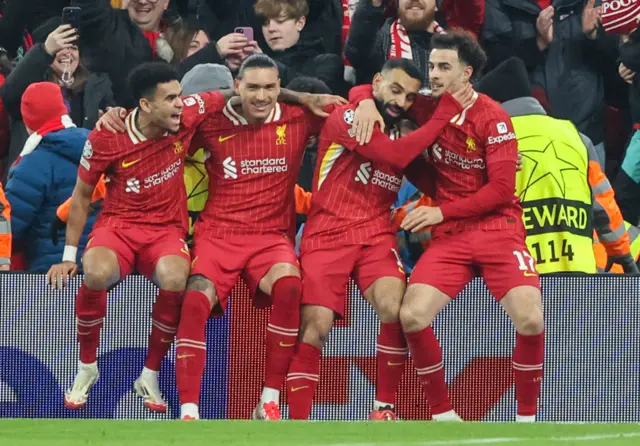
x=99, y=275
x=531, y=323
x=413, y=316
x=172, y=276
x=315, y=327
x=203, y=285
x=388, y=308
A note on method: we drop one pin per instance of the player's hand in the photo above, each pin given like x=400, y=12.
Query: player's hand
x=519, y=162
x=58, y=275
x=113, y=120
x=464, y=96
x=318, y=102
x=421, y=217
x=365, y=120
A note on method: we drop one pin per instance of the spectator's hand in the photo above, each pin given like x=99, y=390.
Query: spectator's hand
x=365, y=120
x=591, y=19
x=421, y=217
x=233, y=63
x=5, y=267
x=58, y=275
x=464, y=96
x=626, y=74
x=377, y=3
x=113, y=120
x=519, y=162
x=544, y=24
x=253, y=48
x=231, y=45
x=62, y=38
x=318, y=102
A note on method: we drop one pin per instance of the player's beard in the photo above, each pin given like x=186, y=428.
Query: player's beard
x=384, y=108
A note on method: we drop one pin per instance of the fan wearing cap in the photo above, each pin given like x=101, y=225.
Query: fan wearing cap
x=44, y=174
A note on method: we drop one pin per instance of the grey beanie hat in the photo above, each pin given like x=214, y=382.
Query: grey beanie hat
x=206, y=77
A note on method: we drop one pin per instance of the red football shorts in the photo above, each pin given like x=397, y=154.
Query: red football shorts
x=500, y=257
x=140, y=249
x=326, y=272
x=223, y=261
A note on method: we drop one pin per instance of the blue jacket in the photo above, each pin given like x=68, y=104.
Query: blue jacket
x=40, y=183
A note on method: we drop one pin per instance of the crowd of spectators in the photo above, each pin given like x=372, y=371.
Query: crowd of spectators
x=578, y=67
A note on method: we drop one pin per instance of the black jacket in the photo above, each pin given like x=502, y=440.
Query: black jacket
x=35, y=67
x=367, y=47
x=307, y=58
x=630, y=57
x=570, y=70
x=221, y=17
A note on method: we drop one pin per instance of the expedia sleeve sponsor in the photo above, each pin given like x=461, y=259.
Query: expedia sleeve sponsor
x=555, y=194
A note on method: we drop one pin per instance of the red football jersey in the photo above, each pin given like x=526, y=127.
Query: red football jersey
x=253, y=170
x=145, y=177
x=352, y=195
x=463, y=156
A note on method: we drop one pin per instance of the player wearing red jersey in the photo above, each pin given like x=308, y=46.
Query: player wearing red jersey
x=348, y=232
x=255, y=150
x=143, y=222
x=479, y=227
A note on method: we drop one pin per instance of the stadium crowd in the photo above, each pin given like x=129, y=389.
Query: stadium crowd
x=564, y=71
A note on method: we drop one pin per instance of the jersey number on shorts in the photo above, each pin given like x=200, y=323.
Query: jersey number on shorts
x=526, y=263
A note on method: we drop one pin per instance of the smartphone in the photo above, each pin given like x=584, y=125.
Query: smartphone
x=71, y=16
x=246, y=30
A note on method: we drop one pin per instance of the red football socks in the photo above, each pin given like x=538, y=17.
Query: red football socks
x=191, y=350
x=164, y=325
x=91, y=308
x=528, y=359
x=282, y=330
x=302, y=381
x=391, y=354
x=427, y=355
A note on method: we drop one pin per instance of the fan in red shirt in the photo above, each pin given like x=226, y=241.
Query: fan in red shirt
x=143, y=222
x=348, y=232
x=479, y=229
x=255, y=149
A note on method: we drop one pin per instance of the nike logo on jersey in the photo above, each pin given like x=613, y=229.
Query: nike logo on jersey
x=225, y=138
x=126, y=165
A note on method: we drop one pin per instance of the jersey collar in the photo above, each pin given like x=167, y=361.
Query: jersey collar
x=134, y=133
x=236, y=119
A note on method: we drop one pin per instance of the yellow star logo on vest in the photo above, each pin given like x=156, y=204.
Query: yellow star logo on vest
x=177, y=147
x=471, y=144
x=281, y=133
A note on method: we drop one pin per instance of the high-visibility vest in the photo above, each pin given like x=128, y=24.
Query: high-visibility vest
x=556, y=197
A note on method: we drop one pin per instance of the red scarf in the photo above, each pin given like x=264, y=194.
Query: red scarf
x=400, y=42
x=346, y=25
x=152, y=37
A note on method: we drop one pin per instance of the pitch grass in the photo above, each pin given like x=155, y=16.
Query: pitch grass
x=14, y=432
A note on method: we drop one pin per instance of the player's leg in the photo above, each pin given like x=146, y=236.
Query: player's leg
x=163, y=258
x=106, y=259
x=201, y=296
x=326, y=274
x=275, y=269
x=510, y=274
x=439, y=276
x=379, y=271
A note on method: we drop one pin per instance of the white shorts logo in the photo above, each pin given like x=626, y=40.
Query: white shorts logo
x=364, y=173
x=502, y=128
x=87, y=152
x=230, y=170
x=133, y=185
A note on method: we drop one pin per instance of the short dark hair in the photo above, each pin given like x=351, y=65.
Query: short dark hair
x=256, y=61
x=307, y=84
x=144, y=79
x=469, y=50
x=405, y=65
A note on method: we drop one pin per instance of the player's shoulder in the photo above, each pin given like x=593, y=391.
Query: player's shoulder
x=487, y=109
x=344, y=113
x=103, y=138
x=287, y=112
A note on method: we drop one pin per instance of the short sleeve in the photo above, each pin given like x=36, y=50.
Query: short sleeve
x=500, y=139
x=198, y=107
x=96, y=158
x=337, y=128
